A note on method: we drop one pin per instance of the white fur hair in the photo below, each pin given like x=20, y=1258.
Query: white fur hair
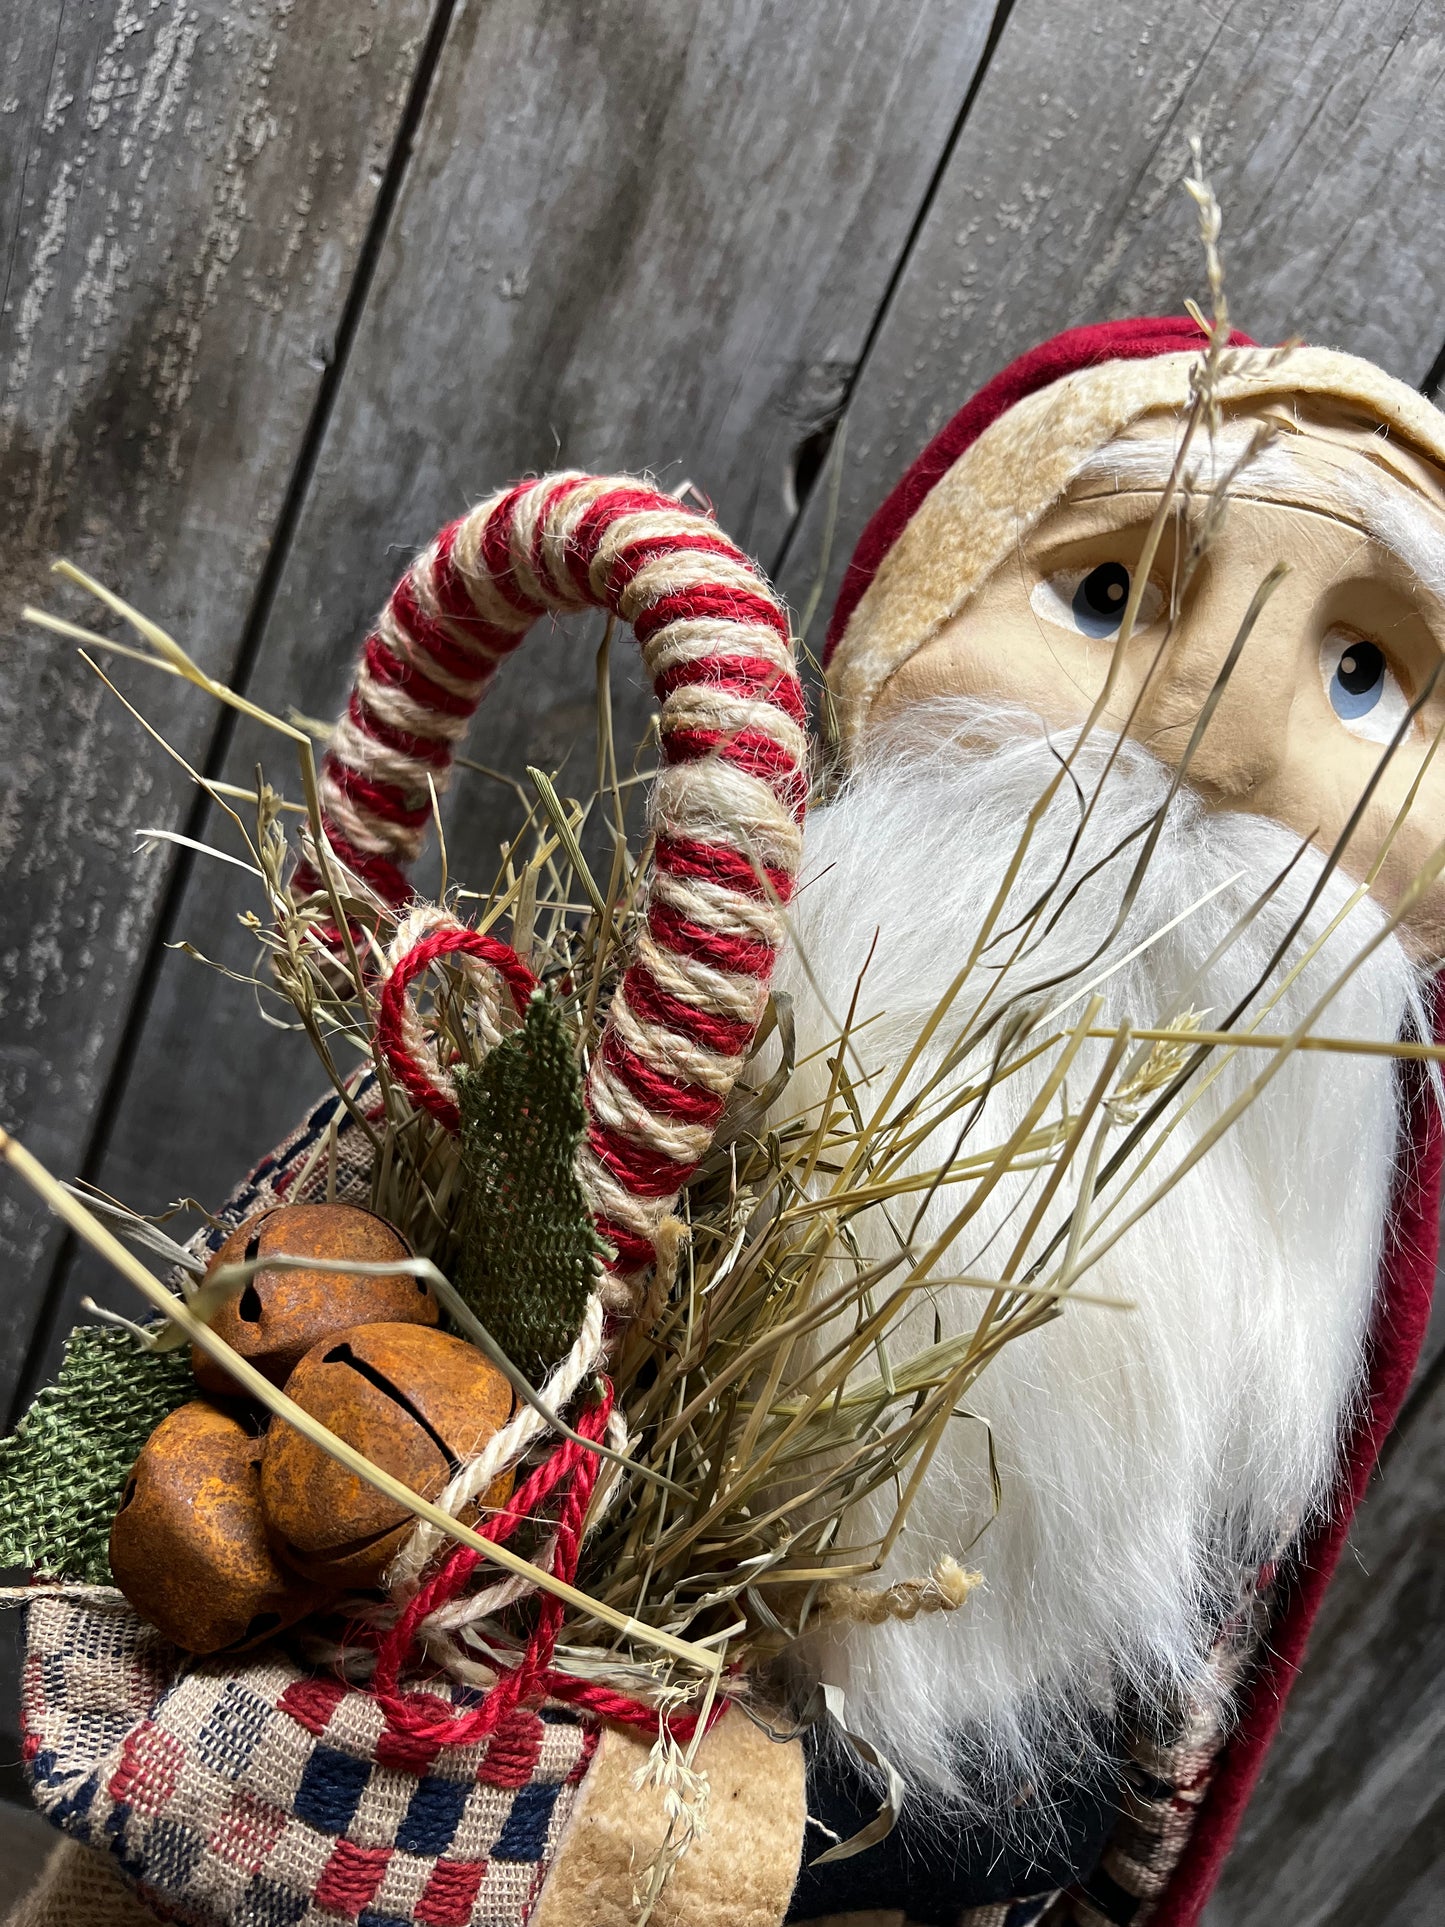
x=1397, y=517
x=1145, y=460
x=1150, y=1458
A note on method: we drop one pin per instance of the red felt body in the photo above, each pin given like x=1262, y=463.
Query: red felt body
x=1401, y=1316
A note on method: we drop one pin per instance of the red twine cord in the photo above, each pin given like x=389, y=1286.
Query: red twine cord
x=453, y=940
x=426, y=1717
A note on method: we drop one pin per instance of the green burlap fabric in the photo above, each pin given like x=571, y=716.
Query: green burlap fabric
x=529, y=1257
x=64, y=1467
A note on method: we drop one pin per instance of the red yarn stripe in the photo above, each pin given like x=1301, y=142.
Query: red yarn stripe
x=379, y=799
x=741, y=956
x=750, y=750
x=454, y=601
x=634, y=556
x=496, y=554
x=570, y=1466
x=651, y=1004
x=633, y=1253
x=555, y=497
x=450, y=1893
x=754, y=749
x=593, y=524
x=405, y=742
x=726, y=605
x=388, y=881
x=391, y=1008
x=350, y=1878
x=667, y=1096
x=388, y=667
x=622, y=1711
x=385, y=877
x=749, y=678
x=426, y=632
x=646, y=1174
x=718, y=863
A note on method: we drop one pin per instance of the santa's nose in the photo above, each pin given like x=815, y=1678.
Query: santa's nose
x=1219, y=694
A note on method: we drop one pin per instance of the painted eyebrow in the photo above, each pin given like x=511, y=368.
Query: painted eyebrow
x=1394, y=517
x=1404, y=526
x=1149, y=463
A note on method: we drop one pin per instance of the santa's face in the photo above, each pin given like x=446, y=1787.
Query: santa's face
x=1348, y=641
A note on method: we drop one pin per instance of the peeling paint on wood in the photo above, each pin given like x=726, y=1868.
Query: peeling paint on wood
x=183, y=190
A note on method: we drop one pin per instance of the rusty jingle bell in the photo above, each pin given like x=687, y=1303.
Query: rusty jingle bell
x=275, y=1319
x=416, y=1402
x=189, y=1548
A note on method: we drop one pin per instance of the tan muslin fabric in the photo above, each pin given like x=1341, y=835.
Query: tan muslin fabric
x=79, y=1888
x=740, y=1872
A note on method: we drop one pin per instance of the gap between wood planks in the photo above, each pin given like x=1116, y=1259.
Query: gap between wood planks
x=822, y=444
x=267, y=583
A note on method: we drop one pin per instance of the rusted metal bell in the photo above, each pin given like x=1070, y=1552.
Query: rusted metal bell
x=275, y=1319
x=417, y=1403
x=188, y=1547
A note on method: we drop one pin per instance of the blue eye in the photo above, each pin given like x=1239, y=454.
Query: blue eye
x=1358, y=682
x=1098, y=602
x=1361, y=686
x=1091, y=602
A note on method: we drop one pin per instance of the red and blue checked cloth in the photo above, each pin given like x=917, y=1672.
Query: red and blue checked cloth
x=253, y=1793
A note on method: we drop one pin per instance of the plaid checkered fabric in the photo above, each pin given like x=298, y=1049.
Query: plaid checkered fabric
x=245, y=1792
x=1008, y=1913
x=250, y=1793
x=326, y=1155
x=1165, y=1782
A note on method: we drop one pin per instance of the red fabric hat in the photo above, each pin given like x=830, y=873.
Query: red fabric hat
x=1407, y=1272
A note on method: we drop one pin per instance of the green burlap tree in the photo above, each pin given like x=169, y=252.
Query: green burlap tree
x=529, y=1258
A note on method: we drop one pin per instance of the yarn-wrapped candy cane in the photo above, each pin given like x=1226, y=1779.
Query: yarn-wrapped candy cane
x=727, y=813
x=727, y=807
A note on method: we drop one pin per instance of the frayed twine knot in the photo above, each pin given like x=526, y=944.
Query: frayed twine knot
x=944, y=1591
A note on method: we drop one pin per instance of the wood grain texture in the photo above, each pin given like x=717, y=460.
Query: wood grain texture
x=1348, y=1822
x=1062, y=204
x=183, y=193
x=632, y=235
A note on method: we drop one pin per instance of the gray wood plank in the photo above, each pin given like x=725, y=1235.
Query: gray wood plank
x=630, y=236
x=1348, y=1823
x=183, y=193
x=1062, y=204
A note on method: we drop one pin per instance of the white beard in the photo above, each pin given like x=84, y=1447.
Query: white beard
x=1150, y=1458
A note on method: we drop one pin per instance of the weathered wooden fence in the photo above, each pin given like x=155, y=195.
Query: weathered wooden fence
x=286, y=287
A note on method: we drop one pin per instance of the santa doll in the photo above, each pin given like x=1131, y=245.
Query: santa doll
x=1173, y=1481
x=1182, y=761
